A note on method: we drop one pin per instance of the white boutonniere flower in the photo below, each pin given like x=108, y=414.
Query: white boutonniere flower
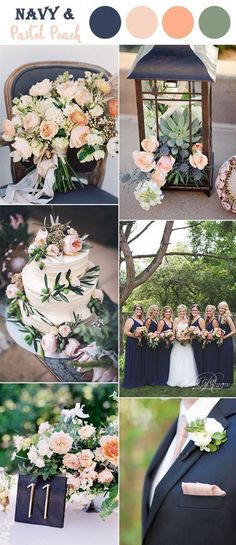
x=207, y=434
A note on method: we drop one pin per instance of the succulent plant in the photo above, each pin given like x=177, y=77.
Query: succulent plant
x=175, y=129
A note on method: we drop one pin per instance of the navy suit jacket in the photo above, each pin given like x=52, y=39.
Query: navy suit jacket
x=177, y=519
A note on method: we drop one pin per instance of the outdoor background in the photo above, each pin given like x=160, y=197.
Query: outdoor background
x=23, y=407
x=143, y=425
x=198, y=266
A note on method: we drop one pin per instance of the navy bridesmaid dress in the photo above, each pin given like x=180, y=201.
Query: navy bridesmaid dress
x=211, y=356
x=164, y=359
x=226, y=357
x=198, y=351
x=134, y=360
x=151, y=360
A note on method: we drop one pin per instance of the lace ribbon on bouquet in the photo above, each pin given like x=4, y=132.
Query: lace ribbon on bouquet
x=28, y=191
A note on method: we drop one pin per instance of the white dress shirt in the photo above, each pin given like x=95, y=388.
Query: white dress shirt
x=201, y=408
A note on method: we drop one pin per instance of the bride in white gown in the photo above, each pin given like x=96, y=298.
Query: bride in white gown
x=183, y=369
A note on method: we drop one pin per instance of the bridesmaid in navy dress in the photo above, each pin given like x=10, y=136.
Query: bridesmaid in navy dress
x=151, y=354
x=226, y=351
x=211, y=351
x=134, y=355
x=196, y=320
x=165, y=324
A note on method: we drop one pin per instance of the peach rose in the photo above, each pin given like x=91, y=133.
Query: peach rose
x=22, y=150
x=150, y=144
x=103, y=86
x=8, y=130
x=68, y=89
x=48, y=129
x=79, y=136
x=105, y=476
x=144, y=160
x=11, y=291
x=78, y=117
x=53, y=250
x=72, y=244
x=72, y=348
x=98, y=294
x=30, y=121
x=83, y=97
x=113, y=107
x=197, y=147
x=165, y=164
x=86, y=431
x=71, y=461
x=49, y=344
x=99, y=456
x=60, y=442
x=73, y=482
x=85, y=457
x=110, y=448
x=41, y=89
x=64, y=330
x=159, y=178
x=198, y=160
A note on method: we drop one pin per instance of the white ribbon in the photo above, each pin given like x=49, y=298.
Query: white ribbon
x=27, y=190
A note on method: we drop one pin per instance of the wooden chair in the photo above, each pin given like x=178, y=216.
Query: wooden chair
x=19, y=83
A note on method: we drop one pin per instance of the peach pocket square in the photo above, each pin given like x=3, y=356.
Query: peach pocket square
x=202, y=489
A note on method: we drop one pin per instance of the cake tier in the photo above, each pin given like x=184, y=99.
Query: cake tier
x=55, y=312
x=33, y=277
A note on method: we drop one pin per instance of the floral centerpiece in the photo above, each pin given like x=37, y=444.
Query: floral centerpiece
x=169, y=160
x=85, y=455
x=57, y=116
x=167, y=337
x=153, y=339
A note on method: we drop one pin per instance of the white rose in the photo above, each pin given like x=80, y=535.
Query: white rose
x=11, y=291
x=64, y=330
x=81, y=500
x=201, y=439
x=26, y=100
x=45, y=426
x=60, y=145
x=86, y=431
x=43, y=447
x=96, y=111
x=95, y=139
x=98, y=154
x=212, y=426
x=41, y=89
x=53, y=250
x=34, y=457
x=22, y=150
x=41, y=237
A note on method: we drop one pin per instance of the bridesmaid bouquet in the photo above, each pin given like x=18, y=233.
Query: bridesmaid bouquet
x=153, y=339
x=167, y=337
x=56, y=116
x=141, y=334
x=194, y=332
x=217, y=336
x=85, y=455
x=205, y=338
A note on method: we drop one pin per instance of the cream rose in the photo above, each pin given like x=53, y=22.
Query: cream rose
x=165, y=164
x=38, y=147
x=98, y=294
x=144, y=160
x=22, y=150
x=69, y=89
x=64, y=330
x=72, y=348
x=53, y=250
x=96, y=111
x=198, y=160
x=48, y=129
x=110, y=448
x=71, y=461
x=40, y=89
x=12, y=291
x=213, y=426
x=79, y=136
x=45, y=426
x=150, y=144
x=60, y=145
x=34, y=457
x=26, y=100
x=83, y=97
x=31, y=121
x=60, y=442
x=159, y=178
x=8, y=130
x=105, y=476
x=43, y=447
x=103, y=86
x=49, y=344
x=201, y=439
x=72, y=244
x=85, y=457
x=86, y=432
x=41, y=237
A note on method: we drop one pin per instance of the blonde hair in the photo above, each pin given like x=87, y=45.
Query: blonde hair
x=213, y=308
x=227, y=314
x=165, y=309
x=150, y=310
x=181, y=307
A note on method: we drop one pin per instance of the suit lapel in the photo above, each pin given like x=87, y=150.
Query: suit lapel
x=189, y=456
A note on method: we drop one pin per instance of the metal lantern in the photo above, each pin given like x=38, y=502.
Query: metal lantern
x=174, y=103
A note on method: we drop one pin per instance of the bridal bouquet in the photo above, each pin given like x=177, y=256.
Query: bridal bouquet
x=153, y=339
x=167, y=337
x=57, y=116
x=85, y=455
x=185, y=336
x=141, y=334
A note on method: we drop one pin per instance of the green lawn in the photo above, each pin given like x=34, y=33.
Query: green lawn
x=167, y=391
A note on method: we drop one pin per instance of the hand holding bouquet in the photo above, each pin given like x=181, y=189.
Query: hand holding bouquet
x=167, y=337
x=153, y=339
x=141, y=334
x=217, y=336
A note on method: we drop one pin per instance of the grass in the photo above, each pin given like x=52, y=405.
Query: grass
x=167, y=391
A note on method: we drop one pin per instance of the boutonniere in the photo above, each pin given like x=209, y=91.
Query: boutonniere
x=207, y=434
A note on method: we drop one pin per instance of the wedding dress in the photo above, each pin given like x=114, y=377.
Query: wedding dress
x=183, y=369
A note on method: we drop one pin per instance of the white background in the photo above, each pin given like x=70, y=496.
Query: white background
x=12, y=56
